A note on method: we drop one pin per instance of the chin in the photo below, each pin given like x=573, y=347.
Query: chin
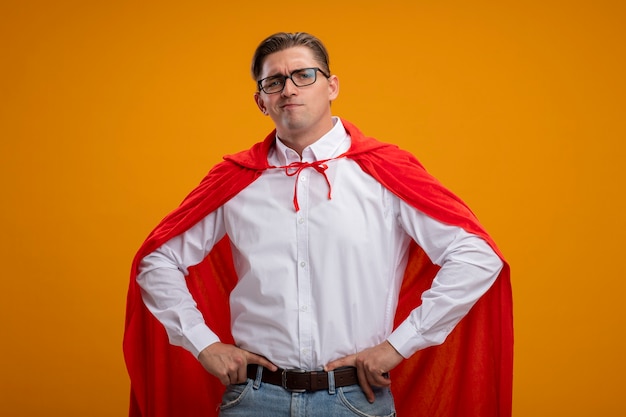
x=294, y=124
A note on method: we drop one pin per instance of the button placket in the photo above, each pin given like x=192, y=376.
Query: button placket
x=303, y=272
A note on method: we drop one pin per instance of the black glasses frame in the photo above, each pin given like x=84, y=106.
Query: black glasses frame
x=290, y=76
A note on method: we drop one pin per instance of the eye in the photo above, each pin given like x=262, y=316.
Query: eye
x=273, y=82
x=304, y=74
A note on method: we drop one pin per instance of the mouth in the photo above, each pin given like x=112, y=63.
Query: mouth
x=288, y=106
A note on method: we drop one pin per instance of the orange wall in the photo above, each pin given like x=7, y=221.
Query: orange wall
x=110, y=112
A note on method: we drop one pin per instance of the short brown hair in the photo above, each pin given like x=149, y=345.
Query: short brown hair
x=283, y=40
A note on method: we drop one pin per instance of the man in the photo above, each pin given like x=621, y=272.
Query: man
x=331, y=236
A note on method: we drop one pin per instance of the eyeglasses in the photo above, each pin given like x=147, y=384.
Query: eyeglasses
x=300, y=78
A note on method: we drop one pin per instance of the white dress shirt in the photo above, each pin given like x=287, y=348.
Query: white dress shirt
x=323, y=282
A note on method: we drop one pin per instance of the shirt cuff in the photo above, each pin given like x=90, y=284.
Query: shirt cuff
x=199, y=337
x=406, y=340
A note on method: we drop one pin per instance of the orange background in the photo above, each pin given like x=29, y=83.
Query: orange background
x=111, y=112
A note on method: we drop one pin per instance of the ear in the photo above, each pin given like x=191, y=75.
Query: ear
x=333, y=87
x=259, y=102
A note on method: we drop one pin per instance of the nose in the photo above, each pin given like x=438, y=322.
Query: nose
x=290, y=88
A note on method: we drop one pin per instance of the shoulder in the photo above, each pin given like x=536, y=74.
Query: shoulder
x=374, y=150
x=253, y=158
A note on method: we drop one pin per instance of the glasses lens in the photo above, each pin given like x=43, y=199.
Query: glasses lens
x=300, y=78
x=272, y=84
x=304, y=77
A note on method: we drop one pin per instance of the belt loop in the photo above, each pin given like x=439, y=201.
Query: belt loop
x=331, y=382
x=259, y=376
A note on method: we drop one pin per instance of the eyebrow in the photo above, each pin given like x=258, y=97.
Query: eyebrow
x=279, y=74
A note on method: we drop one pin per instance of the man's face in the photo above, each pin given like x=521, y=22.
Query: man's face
x=297, y=111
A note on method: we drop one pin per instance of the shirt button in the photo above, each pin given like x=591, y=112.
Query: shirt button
x=300, y=220
x=304, y=309
x=302, y=264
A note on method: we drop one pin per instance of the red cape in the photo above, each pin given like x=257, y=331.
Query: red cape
x=469, y=375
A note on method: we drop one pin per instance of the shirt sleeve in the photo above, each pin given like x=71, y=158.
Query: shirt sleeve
x=468, y=268
x=164, y=289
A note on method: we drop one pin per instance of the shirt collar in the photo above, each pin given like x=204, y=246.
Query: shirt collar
x=335, y=142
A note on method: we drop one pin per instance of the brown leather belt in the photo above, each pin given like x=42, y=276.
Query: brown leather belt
x=301, y=381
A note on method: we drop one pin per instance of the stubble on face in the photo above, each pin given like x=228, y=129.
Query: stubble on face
x=301, y=114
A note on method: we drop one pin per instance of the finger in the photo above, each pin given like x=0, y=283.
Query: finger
x=345, y=361
x=223, y=374
x=379, y=379
x=242, y=374
x=224, y=379
x=255, y=359
x=364, y=384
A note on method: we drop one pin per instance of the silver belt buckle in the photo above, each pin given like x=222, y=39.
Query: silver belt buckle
x=284, y=379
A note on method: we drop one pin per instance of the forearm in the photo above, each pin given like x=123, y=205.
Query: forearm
x=469, y=266
x=466, y=274
x=165, y=294
x=164, y=288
